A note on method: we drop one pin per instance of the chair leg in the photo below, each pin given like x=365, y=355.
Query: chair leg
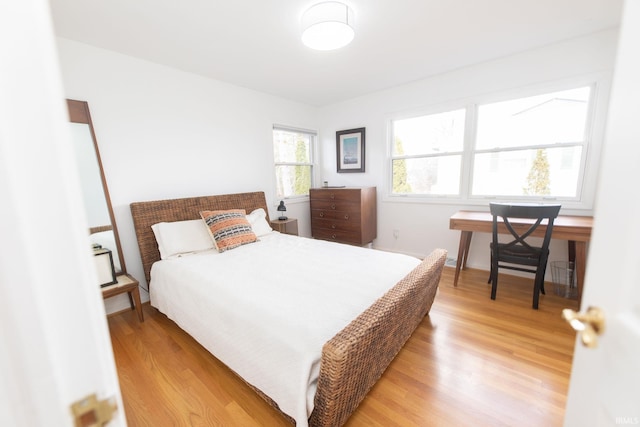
x=538, y=284
x=494, y=280
x=494, y=287
x=544, y=270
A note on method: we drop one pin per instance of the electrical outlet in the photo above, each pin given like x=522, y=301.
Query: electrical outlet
x=396, y=233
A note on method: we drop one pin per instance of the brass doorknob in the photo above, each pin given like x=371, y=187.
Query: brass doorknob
x=589, y=325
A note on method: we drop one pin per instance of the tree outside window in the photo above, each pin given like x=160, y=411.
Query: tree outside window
x=293, y=151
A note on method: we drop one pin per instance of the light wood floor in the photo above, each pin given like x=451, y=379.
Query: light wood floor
x=472, y=361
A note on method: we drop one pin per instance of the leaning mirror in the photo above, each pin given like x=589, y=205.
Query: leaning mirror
x=102, y=225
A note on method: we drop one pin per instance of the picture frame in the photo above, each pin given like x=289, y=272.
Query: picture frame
x=350, y=149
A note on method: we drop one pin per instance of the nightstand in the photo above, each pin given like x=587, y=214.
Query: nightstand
x=286, y=226
x=128, y=284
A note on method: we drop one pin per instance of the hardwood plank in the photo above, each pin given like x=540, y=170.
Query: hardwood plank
x=471, y=361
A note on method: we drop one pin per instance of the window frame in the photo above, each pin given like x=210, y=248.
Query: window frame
x=432, y=155
x=592, y=144
x=313, y=134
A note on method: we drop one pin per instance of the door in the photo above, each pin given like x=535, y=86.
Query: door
x=54, y=341
x=605, y=381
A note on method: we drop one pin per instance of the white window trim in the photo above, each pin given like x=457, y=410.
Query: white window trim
x=314, y=163
x=594, y=138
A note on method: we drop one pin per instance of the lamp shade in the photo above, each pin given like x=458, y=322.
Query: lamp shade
x=327, y=26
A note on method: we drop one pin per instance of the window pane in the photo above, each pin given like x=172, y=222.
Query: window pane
x=430, y=175
x=292, y=180
x=435, y=133
x=550, y=172
x=291, y=147
x=538, y=120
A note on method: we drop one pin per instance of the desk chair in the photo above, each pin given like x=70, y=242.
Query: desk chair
x=518, y=254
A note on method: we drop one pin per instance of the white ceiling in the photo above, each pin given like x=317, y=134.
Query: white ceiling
x=256, y=43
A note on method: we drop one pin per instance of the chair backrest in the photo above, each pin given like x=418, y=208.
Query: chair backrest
x=525, y=211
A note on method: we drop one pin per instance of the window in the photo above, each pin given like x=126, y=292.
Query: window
x=293, y=154
x=427, y=154
x=529, y=148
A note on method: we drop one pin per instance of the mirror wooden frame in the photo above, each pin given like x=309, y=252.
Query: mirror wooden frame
x=79, y=113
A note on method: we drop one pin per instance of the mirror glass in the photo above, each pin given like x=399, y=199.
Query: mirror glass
x=102, y=226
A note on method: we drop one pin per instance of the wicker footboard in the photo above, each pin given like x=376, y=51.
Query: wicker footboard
x=356, y=357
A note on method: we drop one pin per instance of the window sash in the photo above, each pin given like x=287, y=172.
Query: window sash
x=516, y=122
x=287, y=173
x=470, y=155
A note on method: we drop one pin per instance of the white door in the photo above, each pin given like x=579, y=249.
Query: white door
x=605, y=382
x=54, y=341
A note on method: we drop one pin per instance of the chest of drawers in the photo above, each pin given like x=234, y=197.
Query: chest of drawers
x=345, y=215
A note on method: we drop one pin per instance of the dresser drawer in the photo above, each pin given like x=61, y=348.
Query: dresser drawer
x=340, y=195
x=335, y=215
x=353, y=237
x=335, y=205
x=335, y=224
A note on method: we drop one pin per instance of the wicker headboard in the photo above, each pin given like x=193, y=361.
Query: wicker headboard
x=145, y=214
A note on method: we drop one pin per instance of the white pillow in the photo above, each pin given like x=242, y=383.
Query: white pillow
x=258, y=221
x=180, y=238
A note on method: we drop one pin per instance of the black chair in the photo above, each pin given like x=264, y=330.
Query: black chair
x=518, y=254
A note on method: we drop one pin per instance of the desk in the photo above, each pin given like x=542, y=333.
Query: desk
x=575, y=229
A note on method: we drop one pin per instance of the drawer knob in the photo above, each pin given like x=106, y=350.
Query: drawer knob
x=333, y=236
x=333, y=206
x=346, y=216
x=333, y=196
x=333, y=226
x=321, y=214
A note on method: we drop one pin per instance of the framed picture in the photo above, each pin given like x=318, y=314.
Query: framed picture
x=350, y=150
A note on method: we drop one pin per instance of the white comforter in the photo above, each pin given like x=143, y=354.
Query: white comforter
x=267, y=308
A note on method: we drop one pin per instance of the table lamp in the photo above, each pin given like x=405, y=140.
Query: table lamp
x=282, y=208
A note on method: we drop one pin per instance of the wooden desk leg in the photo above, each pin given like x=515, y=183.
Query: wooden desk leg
x=580, y=265
x=467, y=244
x=463, y=253
x=135, y=294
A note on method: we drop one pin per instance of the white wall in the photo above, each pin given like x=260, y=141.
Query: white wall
x=165, y=133
x=424, y=226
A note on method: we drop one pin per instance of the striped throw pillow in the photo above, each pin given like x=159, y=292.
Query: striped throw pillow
x=229, y=228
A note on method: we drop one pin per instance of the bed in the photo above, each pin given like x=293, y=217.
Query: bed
x=349, y=361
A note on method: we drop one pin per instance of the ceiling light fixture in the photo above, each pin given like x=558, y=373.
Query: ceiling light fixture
x=327, y=26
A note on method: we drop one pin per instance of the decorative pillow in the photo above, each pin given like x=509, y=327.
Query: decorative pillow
x=229, y=229
x=179, y=238
x=258, y=221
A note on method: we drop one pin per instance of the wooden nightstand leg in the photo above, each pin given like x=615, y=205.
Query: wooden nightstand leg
x=135, y=294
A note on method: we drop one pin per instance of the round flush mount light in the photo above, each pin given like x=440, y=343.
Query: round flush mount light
x=327, y=26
